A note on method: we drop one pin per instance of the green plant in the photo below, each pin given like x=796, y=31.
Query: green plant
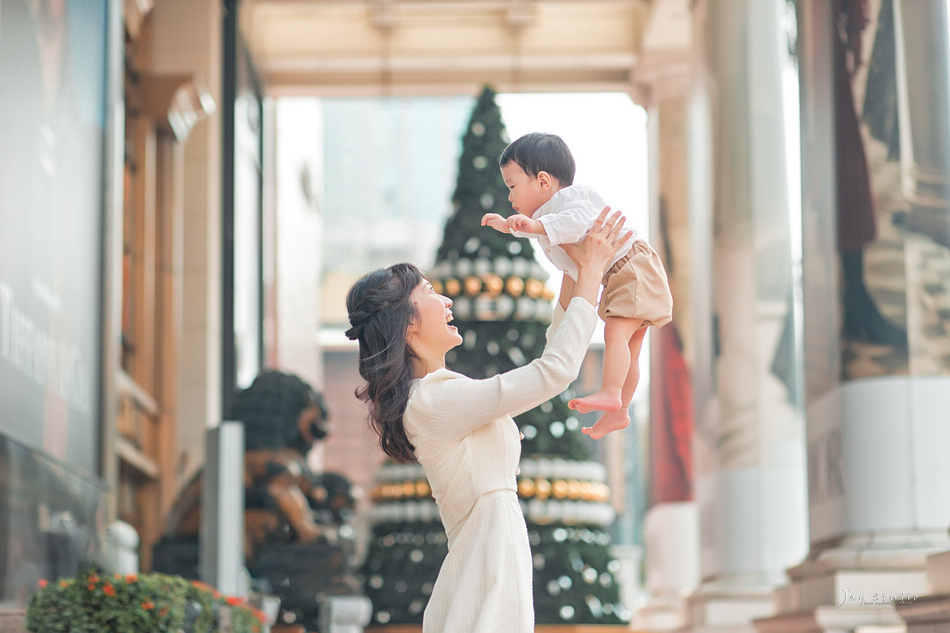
x=93, y=602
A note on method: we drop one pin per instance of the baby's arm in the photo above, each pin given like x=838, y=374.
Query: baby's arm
x=496, y=221
x=524, y=224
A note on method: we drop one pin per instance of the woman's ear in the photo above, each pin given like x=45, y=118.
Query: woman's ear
x=411, y=331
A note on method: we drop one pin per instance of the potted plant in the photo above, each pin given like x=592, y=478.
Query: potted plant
x=93, y=602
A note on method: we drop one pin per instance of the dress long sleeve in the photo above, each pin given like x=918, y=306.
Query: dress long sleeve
x=454, y=405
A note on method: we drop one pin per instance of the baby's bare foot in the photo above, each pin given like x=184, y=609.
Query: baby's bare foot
x=599, y=401
x=613, y=421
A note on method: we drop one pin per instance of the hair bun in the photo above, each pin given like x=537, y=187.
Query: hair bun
x=358, y=319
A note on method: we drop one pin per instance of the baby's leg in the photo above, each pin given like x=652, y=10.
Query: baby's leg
x=617, y=336
x=620, y=419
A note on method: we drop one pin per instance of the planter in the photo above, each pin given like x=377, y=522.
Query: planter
x=11, y=621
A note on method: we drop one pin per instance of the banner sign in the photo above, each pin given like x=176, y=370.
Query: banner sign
x=52, y=128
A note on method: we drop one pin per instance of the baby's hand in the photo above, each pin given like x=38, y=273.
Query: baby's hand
x=495, y=221
x=523, y=224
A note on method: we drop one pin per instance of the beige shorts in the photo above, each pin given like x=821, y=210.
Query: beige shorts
x=636, y=287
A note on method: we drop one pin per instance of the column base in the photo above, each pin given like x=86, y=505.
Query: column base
x=661, y=613
x=672, y=566
x=834, y=620
x=938, y=573
x=858, y=587
x=728, y=609
x=930, y=614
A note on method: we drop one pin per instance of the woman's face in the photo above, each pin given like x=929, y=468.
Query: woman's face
x=430, y=333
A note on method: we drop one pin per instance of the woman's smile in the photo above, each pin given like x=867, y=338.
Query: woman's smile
x=431, y=333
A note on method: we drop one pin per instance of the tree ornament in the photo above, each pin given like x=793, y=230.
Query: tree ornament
x=514, y=286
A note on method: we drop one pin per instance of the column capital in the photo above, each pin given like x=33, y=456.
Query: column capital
x=660, y=74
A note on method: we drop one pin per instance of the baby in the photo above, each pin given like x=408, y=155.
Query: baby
x=539, y=172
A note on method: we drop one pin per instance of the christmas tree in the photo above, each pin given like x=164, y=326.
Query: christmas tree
x=502, y=307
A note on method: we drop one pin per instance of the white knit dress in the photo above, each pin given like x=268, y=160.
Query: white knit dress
x=466, y=440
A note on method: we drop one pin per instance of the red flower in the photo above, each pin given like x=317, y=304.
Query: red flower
x=64, y=583
x=235, y=600
x=93, y=579
x=130, y=578
x=91, y=587
x=108, y=589
x=42, y=582
x=206, y=587
x=148, y=605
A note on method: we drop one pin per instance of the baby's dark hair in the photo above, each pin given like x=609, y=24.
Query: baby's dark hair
x=537, y=152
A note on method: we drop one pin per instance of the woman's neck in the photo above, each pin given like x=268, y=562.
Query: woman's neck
x=422, y=366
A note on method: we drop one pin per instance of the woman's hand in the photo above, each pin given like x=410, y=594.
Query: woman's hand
x=601, y=242
x=594, y=252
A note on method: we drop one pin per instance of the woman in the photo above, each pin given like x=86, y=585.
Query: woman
x=461, y=430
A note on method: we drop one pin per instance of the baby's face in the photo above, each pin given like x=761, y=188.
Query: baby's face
x=525, y=193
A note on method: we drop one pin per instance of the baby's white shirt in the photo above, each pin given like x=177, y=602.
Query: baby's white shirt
x=567, y=217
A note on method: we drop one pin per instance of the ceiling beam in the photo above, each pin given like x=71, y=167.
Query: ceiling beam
x=444, y=46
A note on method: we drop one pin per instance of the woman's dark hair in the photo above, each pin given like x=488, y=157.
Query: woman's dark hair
x=537, y=152
x=380, y=311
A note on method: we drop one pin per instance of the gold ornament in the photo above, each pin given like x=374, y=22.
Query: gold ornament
x=514, y=286
x=408, y=489
x=453, y=287
x=473, y=286
x=436, y=285
x=534, y=288
x=494, y=285
x=526, y=488
x=559, y=489
x=574, y=489
x=542, y=488
x=587, y=491
x=422, y=489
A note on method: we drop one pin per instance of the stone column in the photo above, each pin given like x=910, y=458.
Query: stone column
x=879, y=505
x=923, y=80
x=749, y=438
x=186, y=39
x=671, y=524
